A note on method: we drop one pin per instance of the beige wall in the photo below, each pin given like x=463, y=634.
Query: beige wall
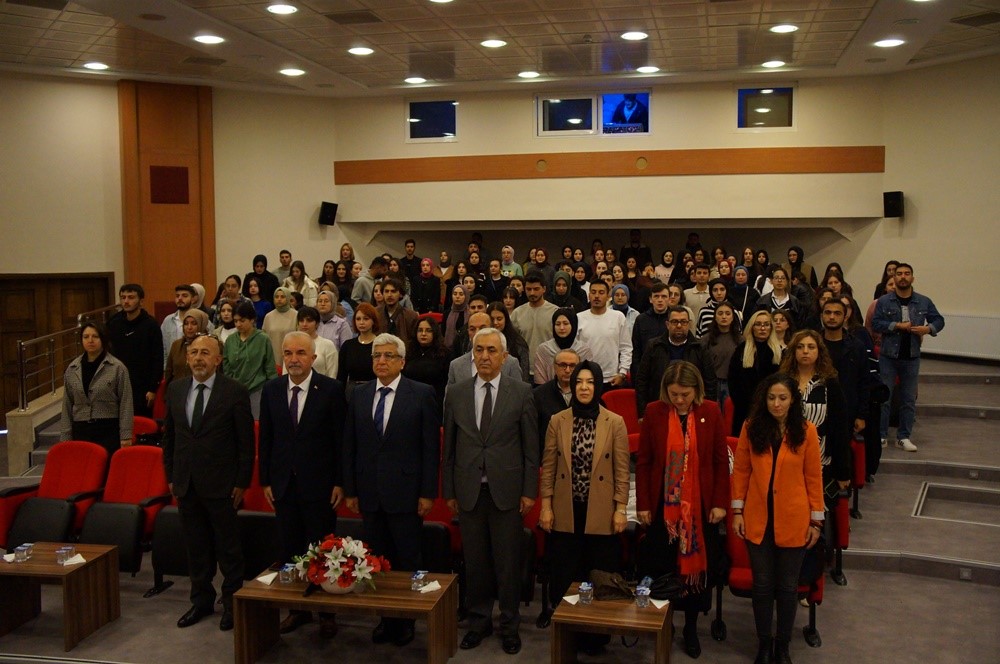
x=274, y=164
x=60, y=197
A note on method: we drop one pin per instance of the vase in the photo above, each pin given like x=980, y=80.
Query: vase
x=334, y=589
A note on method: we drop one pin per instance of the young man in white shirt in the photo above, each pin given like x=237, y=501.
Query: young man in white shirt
x=607, y=334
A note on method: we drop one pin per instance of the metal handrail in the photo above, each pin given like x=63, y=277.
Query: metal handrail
x=48, y=357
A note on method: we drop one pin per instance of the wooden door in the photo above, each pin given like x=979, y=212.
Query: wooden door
x=32, y=306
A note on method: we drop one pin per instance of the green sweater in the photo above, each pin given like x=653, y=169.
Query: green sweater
x=250, y=362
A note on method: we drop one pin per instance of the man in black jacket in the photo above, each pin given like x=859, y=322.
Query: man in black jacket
x=554, y=396
x=136, y=340
x=650, y=324
x=678, y=343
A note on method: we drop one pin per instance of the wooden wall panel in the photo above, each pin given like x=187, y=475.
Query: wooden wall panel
x=167, y=243
x=729, y=161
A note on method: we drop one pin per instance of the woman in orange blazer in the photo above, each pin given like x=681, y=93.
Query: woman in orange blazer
x=777, y=505
x=690, y=432
x=584, y=486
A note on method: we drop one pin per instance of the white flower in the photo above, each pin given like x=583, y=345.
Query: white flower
x=354, y=548
x=363, y=571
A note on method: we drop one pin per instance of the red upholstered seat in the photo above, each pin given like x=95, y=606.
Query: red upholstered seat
x=72, y=467
x=622, y=402
x=253, y=497
x=137, y=477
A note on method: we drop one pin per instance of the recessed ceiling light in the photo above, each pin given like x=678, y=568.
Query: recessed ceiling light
x=416, y=80
x=634, y=36
x=762, y=110
x=758, y=124
x=889, y=43
x=441, y=2
x=783, y=28
x=766, y=91
x=493, y=43
x=529, y=74
x=574, y=121
x=209, y=39
x=648, y=69
x=360, y=50
x=292, y=71
x=773, y=64
x=414, y=119
x=95, y=66
x=282, y=9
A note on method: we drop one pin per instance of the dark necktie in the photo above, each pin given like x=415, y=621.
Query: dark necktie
x=199, y=407
x=487, y=415
x=294, y=406
x=383, y=392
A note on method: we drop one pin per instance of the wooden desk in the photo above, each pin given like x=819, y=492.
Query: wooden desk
x=90, y=590
x=256, y=610
x=617, y=617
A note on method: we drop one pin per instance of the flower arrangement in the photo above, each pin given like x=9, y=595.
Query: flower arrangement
x=341, y=561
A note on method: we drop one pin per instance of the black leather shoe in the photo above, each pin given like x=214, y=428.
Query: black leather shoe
x=544, y=619
x=194, y=614
x=293, y=621
x=511, y=644
x=403, y=635
x=472, y=639
x=226, y=622
x=691, y=644
x=764, y=651
x=382, y=633
x=781, y=655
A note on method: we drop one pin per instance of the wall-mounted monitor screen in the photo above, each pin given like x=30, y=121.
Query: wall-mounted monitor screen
x=763, y=108
x=432, y=121
x=566, y=116
x=625, y=113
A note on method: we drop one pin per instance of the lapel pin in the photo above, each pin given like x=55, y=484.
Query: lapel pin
x=703, y=420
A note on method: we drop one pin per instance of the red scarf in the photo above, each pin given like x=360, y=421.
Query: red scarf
x=682, y=500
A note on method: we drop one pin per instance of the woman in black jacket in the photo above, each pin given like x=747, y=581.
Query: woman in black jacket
x=753, y=360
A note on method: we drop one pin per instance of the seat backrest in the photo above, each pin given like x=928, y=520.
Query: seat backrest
x=622, y=402
x=142, y=426
x=435, y=316
x=253, y=497
x=736, y=548
x=73, y=466
x=160, y=401
x=136, y=473
x=727, y=413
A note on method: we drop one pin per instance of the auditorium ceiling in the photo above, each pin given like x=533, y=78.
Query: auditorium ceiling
x=568, y=44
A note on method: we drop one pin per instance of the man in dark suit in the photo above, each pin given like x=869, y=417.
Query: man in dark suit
x=301, y=420
x=490, y=479
x=554, y=396
x=391, y=452
x=208, y=458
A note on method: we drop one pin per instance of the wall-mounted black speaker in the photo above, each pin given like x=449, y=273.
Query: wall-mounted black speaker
x=327, y=214
x=892, y=203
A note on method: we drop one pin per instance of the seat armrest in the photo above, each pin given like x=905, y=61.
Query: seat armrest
x=84, y=495
x=162, y=499
x=10, y=491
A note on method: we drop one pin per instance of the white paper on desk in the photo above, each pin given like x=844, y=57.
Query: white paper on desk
x=659, y=603
x=8, y=557
x=267, y=579
x=78, y=559
x=572, y=599
x=431, y=587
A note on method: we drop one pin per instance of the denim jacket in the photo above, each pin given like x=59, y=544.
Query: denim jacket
x=888, y=312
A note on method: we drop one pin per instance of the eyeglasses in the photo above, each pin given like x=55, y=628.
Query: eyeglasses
x=566, y=365
x=388, y=357
x=679, y=323
x=762, y=323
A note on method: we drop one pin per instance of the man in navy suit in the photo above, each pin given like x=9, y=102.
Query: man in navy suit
x=391, y=456
x=301, y=420
x=208, y=459
x=490, y=479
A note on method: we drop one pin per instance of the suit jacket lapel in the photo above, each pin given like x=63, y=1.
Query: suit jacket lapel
x=398, y=401
x=500, y=402
x=311, y=406
x=602, y=438
x=566, y=444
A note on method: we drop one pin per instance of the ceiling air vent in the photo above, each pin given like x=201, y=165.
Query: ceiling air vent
x=978, y=20
x=203, y=60
x=54, y=5
x=353, y=18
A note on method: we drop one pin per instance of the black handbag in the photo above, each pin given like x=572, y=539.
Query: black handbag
x=667, y=586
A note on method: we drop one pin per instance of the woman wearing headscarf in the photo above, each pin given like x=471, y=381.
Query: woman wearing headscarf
x=620, y=295
x=247, y=356
x=266, y=282
x=796, y=263
x=581, y=283
x=584, y=485
x=195, y=322
x=565, y=329
x=281, y=321
x=667, y=271
x=563, y=293
x=682, y=488
x=198, y=301
x=425, y=289
x=454, y=322
x=742, y=294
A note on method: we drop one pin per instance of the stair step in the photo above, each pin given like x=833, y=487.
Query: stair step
x=941, y=567
x=958, y=410
x=965, y=471
x=959, y=378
